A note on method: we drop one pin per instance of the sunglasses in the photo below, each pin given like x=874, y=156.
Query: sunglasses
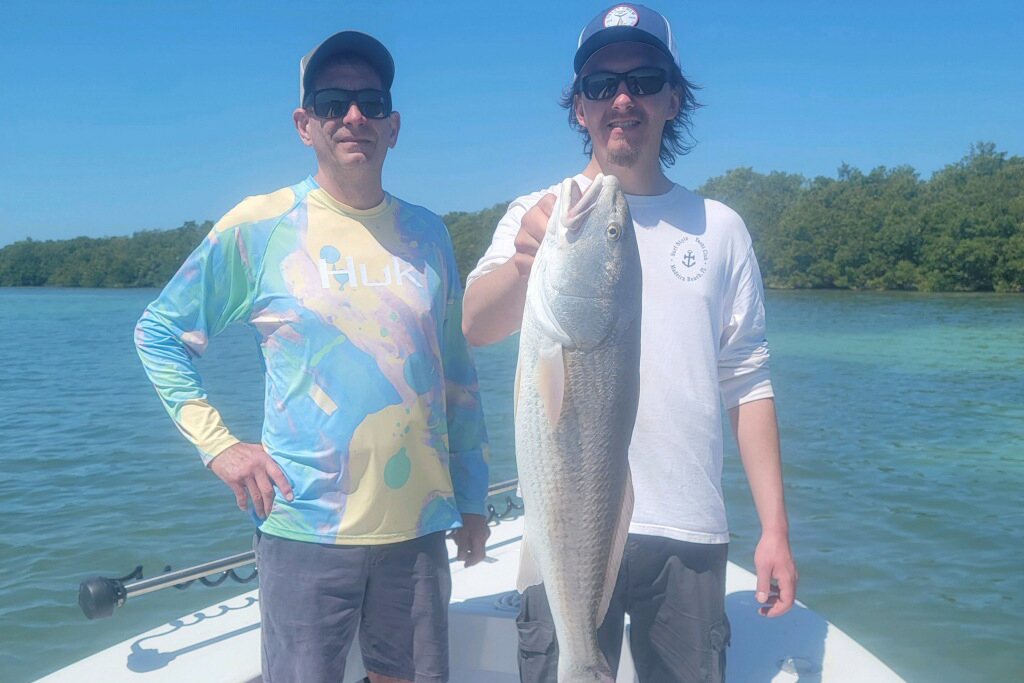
x=334, y=103
x=602, y=85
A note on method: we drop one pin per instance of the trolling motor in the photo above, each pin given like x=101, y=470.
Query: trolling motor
x=99, y=595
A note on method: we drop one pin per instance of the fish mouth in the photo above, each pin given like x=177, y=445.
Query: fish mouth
x=574, y=216
x=575, y=213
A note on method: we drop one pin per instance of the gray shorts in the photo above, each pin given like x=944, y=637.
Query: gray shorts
x=674, y=593
x=313, y=597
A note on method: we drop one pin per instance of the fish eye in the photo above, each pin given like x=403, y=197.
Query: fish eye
x=613, y=232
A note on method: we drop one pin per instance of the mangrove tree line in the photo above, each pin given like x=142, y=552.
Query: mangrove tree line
x=960, y=230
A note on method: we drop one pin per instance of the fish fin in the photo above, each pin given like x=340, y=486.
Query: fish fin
x=618, y=547
x=529, y=570
x=551, y=381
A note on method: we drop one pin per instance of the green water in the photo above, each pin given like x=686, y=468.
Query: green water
x=902, y=421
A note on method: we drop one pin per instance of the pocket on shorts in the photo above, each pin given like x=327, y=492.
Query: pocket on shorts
x=536, y=650
x=535, y=638
x=688, y=645
x=719, y=635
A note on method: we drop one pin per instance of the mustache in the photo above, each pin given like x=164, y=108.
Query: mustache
x=637, y=114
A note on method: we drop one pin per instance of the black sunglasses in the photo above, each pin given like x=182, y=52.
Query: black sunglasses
x=644, y=80
x=334, y=103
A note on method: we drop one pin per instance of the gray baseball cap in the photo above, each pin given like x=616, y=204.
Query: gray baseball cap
x=355, y=42
x=625, y=23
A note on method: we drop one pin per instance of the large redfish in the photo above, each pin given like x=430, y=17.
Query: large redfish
x=577, y=386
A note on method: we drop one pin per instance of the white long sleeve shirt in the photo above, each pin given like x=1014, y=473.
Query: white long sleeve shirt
x=702, y=343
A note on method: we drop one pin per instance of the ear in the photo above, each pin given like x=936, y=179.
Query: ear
x=302, y=121
x=578, y=106
x=674, y=102
x=396, y=124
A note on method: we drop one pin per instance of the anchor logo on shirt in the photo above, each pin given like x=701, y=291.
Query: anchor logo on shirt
x=688, y=258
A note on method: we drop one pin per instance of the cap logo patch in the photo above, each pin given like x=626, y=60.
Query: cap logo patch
x=623, y=15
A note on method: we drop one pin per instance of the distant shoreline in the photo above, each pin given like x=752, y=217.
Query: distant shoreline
x=960, y=231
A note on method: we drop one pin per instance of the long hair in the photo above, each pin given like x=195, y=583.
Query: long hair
x=676, y=139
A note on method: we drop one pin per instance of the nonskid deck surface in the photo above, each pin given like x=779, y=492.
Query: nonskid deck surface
x=220, y=644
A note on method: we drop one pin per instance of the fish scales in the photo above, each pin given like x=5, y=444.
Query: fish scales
x=581, y=493
x=583, y=306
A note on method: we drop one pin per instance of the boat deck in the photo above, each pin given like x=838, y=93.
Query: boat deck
x=221, y=643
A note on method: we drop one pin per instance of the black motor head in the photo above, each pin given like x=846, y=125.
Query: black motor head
x=99, y=596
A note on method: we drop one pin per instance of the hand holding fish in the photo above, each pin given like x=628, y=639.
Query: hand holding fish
x=531, y=232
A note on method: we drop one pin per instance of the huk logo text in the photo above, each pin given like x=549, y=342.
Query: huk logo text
x=397, y=271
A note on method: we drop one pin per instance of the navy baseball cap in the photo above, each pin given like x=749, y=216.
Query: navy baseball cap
x=355, y=42
x=625, y=23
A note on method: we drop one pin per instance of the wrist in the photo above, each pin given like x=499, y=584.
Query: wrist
x=777, y=531
x=523, y=263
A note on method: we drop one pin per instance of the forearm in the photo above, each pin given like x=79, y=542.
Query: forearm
x=467, y=434
x=467, y=442
x=469, y=472
x=170, y=367
x=493, y=305
x=757, y=437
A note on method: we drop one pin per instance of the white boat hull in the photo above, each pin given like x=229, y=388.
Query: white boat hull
x=221, y=644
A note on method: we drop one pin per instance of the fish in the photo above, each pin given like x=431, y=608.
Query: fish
x=576, y=391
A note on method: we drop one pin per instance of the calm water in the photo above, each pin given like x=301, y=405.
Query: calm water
x=902, y=420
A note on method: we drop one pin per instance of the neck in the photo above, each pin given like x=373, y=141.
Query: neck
x=358, y=190
x=640, y=179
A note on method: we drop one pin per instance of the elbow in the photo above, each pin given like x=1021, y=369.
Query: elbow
x=475, y=339
x=478, y=332
x=489, y=311
x=470, y=331
x=142, y=330
x=471, y=328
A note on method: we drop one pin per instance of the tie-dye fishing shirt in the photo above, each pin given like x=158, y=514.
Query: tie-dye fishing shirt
x=372, y=408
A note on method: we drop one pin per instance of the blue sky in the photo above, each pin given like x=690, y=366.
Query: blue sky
x=125, y=116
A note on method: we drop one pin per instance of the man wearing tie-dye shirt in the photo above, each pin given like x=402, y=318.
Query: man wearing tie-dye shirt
x=373, y=433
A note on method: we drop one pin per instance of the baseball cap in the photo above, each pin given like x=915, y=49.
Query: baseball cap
x=356, y=42
x=625, y=23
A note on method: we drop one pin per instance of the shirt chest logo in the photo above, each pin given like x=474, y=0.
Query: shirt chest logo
x=347, y=272
x=689, y=258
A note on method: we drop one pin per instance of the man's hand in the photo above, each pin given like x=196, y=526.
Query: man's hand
x=470, y=538
x=246, y=467
x=776, y=575
x=531, y=233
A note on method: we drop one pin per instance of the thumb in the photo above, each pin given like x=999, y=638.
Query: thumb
x=764, y=584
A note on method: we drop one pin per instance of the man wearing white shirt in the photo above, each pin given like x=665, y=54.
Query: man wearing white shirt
x=702, y=344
